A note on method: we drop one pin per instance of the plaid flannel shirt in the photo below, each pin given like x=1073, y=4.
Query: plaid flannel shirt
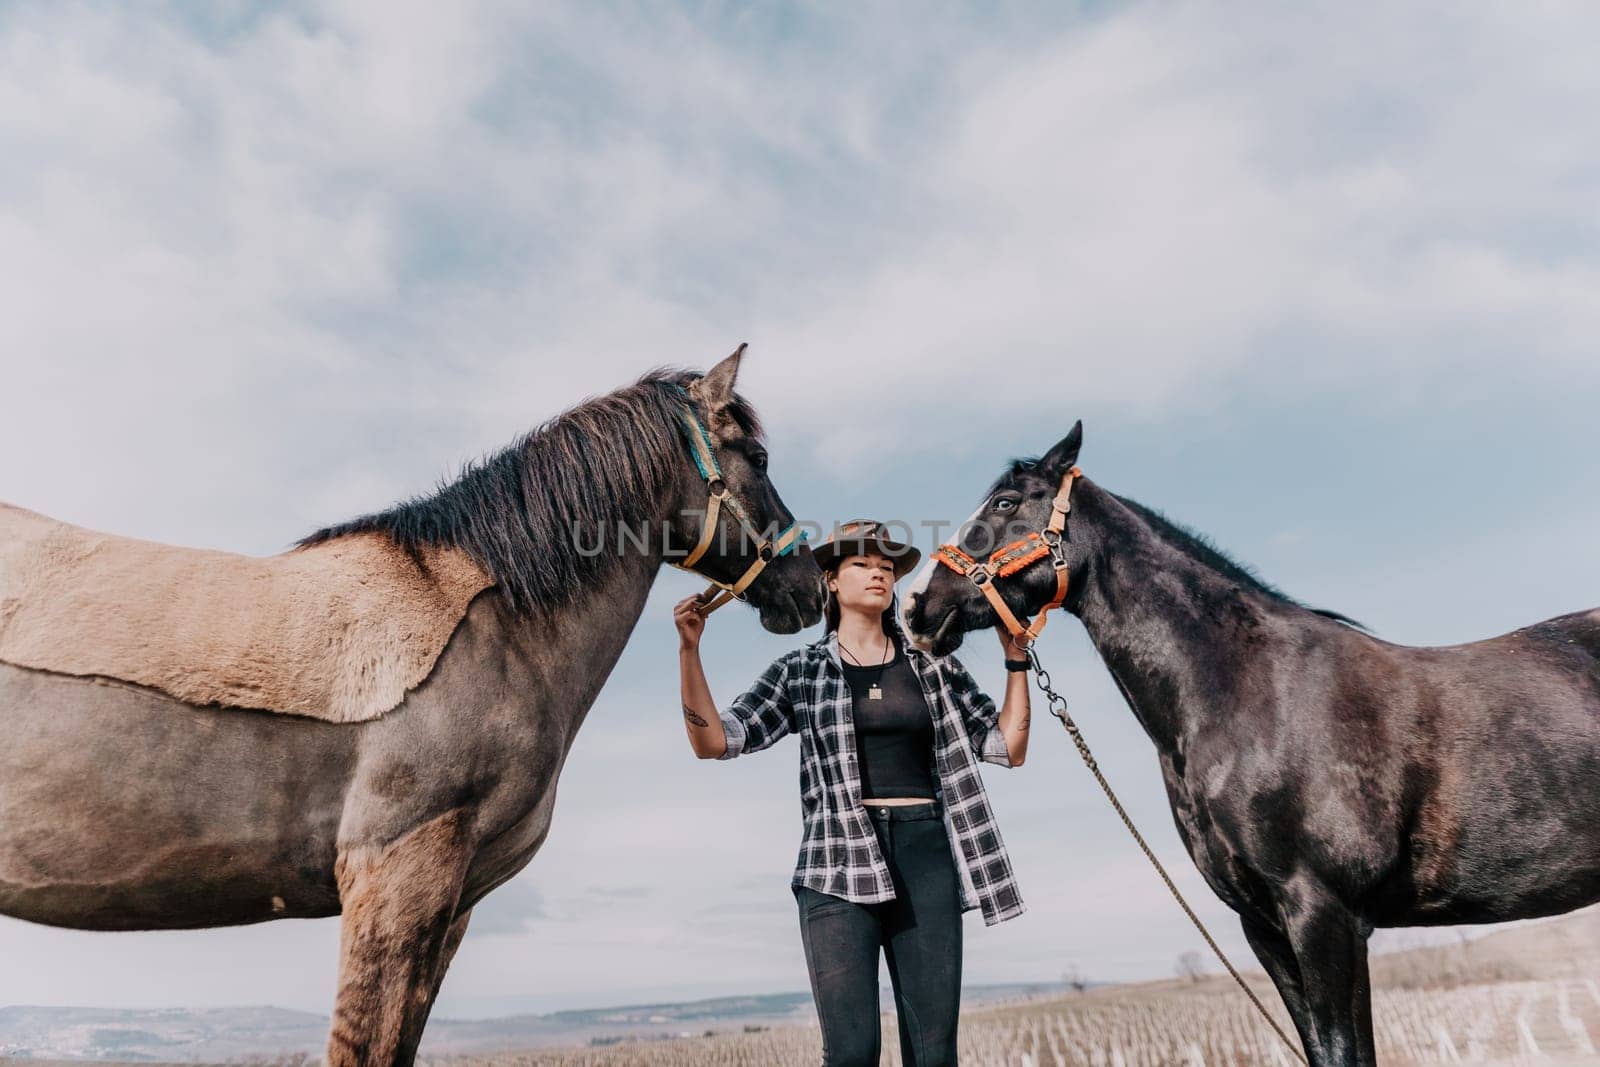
x=805, y=692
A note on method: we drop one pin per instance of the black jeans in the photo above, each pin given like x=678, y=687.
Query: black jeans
x=919, y=932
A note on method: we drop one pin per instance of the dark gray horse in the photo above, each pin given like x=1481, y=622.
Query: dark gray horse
x=1325, y=782
x=123, y=808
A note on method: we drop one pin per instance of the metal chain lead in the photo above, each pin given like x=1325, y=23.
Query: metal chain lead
x=1058, y=708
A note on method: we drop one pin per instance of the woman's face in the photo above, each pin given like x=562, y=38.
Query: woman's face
x=864, y=583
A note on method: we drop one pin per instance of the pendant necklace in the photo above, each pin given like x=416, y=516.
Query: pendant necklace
x=874, y=691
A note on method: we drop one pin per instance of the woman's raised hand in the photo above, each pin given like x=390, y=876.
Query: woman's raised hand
x=690, y=623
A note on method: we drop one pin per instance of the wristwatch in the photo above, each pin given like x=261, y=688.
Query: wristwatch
x=1015, y=665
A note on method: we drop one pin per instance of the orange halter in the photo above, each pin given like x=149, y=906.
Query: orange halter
x=1009, y=559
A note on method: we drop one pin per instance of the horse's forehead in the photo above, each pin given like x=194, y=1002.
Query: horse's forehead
x=729, y=434
x=1013, y=478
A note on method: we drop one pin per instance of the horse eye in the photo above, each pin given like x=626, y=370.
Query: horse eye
x=759, y=461
x=1005, y=504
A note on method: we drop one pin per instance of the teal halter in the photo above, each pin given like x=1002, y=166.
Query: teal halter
x=767, y=549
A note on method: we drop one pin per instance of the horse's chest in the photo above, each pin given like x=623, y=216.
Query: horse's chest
x=1188, y=814
x=501, y=858
x=1206, y=835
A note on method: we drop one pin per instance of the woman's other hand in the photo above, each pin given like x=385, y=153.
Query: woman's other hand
x=1012, y=650
x=690, y=623
x=1015, y=712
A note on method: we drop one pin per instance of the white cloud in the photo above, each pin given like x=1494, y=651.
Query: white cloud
x=377, y=210
x=1137, y=213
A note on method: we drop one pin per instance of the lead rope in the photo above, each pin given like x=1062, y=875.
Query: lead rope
x=1058, y=708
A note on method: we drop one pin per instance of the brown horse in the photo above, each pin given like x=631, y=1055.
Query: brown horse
x=123, y=807
x=1324, y=782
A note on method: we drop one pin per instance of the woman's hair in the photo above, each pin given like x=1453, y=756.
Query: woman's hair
x=830, y=606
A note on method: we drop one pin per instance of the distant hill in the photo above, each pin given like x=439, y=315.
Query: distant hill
x=1565, y=947
x=585, y=1025
x=160, y=1035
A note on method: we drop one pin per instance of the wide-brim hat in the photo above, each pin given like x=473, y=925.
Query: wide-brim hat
x=858, y=538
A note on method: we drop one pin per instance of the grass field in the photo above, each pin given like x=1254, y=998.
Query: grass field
x=1529, y=994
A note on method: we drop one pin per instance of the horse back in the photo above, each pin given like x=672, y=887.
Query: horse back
x=340, y=630
x=1499, y=742
x=1568, y=640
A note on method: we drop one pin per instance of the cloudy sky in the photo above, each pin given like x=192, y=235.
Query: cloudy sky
x=1322, y=280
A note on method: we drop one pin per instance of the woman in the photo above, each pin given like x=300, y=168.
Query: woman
x=898, y=837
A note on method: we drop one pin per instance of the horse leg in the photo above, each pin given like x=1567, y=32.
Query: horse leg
x=452, y=941
x=1276, y=954
x=1363, y=1005
x=398, y=902
x=1330, y=946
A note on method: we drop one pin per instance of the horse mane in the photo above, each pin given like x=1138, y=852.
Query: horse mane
x=1196, y=545
x=520, y=512
x=1199, y=547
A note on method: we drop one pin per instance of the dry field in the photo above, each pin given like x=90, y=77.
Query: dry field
x=1530, y=994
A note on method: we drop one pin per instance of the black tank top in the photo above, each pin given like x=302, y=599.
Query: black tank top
x=894, y=733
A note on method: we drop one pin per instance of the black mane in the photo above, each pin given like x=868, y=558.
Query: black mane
x=1198, y=546
x=602, y=464
x=1195, y=545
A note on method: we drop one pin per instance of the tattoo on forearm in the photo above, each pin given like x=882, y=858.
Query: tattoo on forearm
x=694, y=717
x=1022, y=723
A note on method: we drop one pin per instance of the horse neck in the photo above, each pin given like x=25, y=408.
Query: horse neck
x=573, y=648
x=591, y=632
x=1166, y=625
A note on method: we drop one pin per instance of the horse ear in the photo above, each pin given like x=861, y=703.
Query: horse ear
x=715, y=389
x=1064, y=455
